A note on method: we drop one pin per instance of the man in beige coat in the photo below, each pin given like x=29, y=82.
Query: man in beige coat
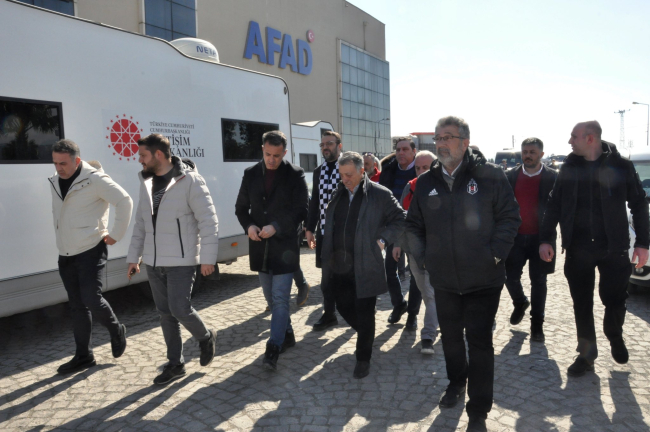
x=81, y=194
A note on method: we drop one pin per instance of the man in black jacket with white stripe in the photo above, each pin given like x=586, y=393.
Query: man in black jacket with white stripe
x=588, y=200
x=460, y=227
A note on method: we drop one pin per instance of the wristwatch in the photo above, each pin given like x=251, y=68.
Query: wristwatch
x=382, y=241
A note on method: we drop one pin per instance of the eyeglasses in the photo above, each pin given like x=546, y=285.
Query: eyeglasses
x=440, y=139
x=328, y=143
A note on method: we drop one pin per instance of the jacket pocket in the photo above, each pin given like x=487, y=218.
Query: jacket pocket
x=180, y=238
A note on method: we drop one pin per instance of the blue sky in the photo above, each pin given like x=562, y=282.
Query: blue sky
x=522, y=68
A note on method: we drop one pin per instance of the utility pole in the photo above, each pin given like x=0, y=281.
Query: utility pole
x=621, y=139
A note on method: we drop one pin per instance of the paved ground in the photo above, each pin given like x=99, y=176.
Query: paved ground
x=313, y=388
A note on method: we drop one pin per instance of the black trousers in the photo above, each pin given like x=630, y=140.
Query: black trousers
x=358, y=313
x=395, y=287
x=526, y=248
x=82, y=278
x=329, y=302
x=472, y=314
x=615, y=270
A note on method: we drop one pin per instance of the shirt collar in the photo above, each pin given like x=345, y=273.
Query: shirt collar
x=534, y=174
x=453, y=174
x=411, y=165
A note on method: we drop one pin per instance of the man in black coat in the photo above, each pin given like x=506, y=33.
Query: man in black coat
x=532, y=183
x=588, y=200
x=271, y=205
x=326, y=180
x=460, y=226
x=362, y=218
x=395, y=176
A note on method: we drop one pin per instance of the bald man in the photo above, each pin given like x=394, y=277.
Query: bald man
x=588, y=200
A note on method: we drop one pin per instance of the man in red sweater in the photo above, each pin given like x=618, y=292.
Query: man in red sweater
x=532, y=183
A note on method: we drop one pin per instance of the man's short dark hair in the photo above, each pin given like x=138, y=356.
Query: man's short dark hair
x=334, y=134
x=533, y=141
x=405, y=138
x=275, y=138
x=155, y=142
x=67, y=146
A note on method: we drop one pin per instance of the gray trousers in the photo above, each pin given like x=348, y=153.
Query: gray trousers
x=430, y=326
x=171, y=288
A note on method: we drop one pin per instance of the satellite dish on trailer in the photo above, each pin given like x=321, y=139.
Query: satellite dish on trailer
x=197, y=48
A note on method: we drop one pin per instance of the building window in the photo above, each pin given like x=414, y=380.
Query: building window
x=242, y=140
x=365, y=101
x=63, y=6
x=170, y=19
x=28, y=129
x=308, y=161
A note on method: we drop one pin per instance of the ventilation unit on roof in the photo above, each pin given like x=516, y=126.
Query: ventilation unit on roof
x=197, y=48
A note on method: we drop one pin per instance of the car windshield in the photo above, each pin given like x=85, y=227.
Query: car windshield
x=512, y=158
x=643, y=168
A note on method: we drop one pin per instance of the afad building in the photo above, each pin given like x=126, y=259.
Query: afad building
x=331, y=53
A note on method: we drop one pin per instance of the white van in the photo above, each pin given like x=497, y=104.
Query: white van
x=104, y=88
x=306, y=146
x=641, y=159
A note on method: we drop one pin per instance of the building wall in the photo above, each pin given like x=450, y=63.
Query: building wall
x=225, y=24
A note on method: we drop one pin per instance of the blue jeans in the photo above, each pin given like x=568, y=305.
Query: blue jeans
x=172, y=289
x=277, y=289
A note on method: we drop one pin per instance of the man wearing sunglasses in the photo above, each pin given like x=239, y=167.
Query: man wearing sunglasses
x=460, y=227
x=326, y=179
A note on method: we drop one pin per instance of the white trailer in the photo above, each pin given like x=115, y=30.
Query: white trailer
x=104, y=88
x=306, y=146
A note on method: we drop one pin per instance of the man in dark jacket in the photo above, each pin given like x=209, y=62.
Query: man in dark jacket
x=460, y=227
x=362, y=218
x=395, y=177
x=588, y=200
x=326, y=179
x=271, y=205
x=532, y=183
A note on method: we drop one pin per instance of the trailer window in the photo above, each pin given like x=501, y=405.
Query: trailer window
x=308, y=162
x=242, y=140
x=28, y=129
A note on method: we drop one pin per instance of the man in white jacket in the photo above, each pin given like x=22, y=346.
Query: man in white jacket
x=81, y=194
x=176, y=229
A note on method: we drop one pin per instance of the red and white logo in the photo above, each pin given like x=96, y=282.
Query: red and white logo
x=310, y=36
x=122, y=135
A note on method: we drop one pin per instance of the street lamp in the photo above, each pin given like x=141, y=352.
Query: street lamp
x=647, y=125
x=376, y=123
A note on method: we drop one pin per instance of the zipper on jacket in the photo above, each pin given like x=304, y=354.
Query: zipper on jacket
x=178, y=222
x=155, y=252
x=591, y=203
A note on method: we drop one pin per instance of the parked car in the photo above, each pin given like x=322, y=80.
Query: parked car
x=640, y=278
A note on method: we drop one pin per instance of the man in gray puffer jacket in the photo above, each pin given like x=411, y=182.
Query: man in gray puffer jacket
x=176, y=229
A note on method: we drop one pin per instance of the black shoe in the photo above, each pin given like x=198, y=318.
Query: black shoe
x=619, y=351
x=397, y=313
x=452, y=396
x=537, y=331
x=170, y=373
x=427, y=347
x=208, y=348
x=118, y=344
x=476, y=424
x=411, y=322
x=289, y=341
x=271, y=356
x=303, y=294
x=519, y=312
x=579, y=367
x=361, y=370
x=325, y=321
x=77, y=363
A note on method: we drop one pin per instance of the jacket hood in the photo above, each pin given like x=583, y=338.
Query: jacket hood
x=87, y=168
x=609, y=150
x=179, y=167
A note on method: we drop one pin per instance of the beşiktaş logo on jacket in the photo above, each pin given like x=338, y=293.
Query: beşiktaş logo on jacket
x=472, y=187
x=434, y=192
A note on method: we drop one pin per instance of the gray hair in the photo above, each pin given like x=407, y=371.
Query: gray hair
x=461, y=124
x=377, y=163
x=349, y=157
x=66, y=146
x=423, y=153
